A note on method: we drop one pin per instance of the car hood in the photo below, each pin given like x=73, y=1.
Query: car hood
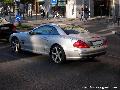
x=86, y=36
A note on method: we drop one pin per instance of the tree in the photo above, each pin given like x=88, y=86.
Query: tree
x=7, y=1
x=11, y=1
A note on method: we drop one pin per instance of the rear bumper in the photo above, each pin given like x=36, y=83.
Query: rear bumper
x=93, y=54
x=77, y=56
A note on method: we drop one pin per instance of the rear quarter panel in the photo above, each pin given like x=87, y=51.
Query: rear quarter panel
x=66, y=42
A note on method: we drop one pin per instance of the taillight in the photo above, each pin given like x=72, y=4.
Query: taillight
x=105, y=42
x=14, y=28
x=81, y=44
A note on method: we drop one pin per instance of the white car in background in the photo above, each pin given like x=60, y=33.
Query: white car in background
x=60, y=44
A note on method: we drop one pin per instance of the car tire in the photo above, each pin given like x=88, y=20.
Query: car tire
x=57, y=54
x=15, y=45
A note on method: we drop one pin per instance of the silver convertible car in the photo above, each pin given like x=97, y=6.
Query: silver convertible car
x=60, y=44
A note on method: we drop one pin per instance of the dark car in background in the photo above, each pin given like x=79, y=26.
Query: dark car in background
x=6, y=29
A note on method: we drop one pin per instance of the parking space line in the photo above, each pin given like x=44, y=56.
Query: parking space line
x=6, y=46
x=107, y=34
x=113, y=56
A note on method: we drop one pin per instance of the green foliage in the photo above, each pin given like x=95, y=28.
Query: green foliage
x=7, y=1
x=24, y=27
x=74, y=27
x=11, y=1
x=71, y=19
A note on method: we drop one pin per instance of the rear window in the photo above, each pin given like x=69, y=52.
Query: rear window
x=75, y=30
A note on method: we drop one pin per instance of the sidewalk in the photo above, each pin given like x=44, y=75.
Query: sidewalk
x=65, y=21
x=61, y=21
x=95, y=23
x=37, y=20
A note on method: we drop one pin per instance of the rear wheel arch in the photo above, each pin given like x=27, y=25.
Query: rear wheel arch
x=56, y=44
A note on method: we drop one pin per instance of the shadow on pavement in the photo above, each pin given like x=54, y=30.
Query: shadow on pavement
x=6, y=55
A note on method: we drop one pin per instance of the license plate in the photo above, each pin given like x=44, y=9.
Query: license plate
x=96, y=43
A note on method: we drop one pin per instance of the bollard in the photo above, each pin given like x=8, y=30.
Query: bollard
x=118, y=19
x=18, y=19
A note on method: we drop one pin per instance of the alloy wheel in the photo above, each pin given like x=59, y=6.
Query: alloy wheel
x=57, y=54
x=15, y=46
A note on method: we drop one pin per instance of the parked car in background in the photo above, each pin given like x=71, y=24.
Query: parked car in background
x=6, y=29
x=116, y=33
x=59, y=44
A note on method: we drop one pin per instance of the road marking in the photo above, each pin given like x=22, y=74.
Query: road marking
x=113, y=56
x=114, y=87
x=4, y=46
x=61, y=24
x=103, y=30
x=111, y=32
x=107, y=34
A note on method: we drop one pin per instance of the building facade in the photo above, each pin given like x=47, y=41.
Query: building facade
x=72, y=8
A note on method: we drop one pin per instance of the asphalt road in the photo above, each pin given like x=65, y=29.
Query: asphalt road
x=28, y=71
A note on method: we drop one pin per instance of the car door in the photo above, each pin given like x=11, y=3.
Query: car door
x=32, y=40
x=36, y=40
x=50, y=38
x=39, y=39
x=45, y=35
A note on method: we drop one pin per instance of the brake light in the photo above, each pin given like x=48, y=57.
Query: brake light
x=14, y=28
x=81, y=44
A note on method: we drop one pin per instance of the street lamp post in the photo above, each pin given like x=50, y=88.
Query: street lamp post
x=16, y=7
x=36, y=8
x=83, y=5
x=119, y=7
x=113, y=9
x=89, y=8
x=101, y=12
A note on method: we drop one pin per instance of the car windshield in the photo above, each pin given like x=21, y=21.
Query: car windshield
x=74, y=30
